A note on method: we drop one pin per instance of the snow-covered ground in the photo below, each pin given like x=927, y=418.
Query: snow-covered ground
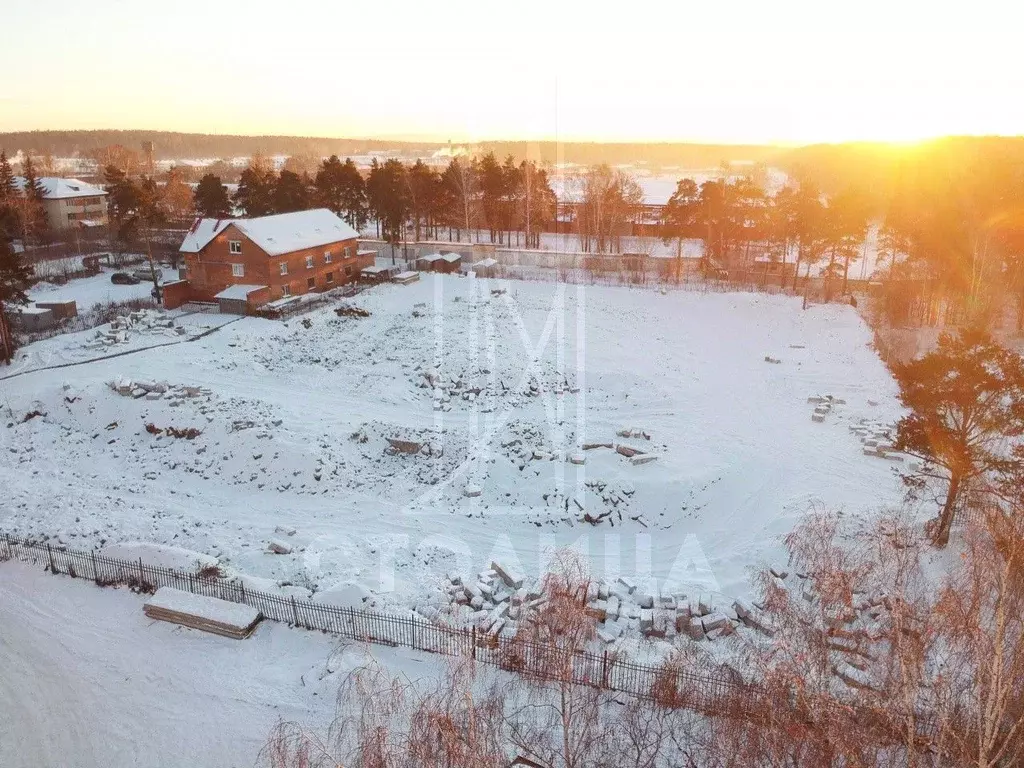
x=90, y=291
x=502, y=390
x=88, y=681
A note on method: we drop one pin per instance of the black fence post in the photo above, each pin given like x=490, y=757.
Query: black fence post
x=95, y=571
x=49, y=552
x=295, y=611
x=474, y=642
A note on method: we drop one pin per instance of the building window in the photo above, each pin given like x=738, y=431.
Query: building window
x=329, y=277
x=348, y=251
x=286, y=291
x=235, y=246
x=311, y=283
x=71, y=217
x=309, y=262
x=284, y=267
x=348, y=270
x=327, y=257
x=238, y=270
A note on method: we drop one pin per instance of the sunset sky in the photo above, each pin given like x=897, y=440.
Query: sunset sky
x=716, y=72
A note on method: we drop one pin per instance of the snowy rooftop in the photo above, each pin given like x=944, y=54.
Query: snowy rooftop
x=375, y=270
x=484, y=263
x=56, y=188
x=278, y=234
x=239, y=291
x=451, y=258
x=430, y=257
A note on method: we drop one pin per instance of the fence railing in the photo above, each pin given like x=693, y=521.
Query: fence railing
x=680, y=687
x=704, y=691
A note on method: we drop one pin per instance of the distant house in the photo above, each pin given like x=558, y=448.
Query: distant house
x=70, y=203
x=270, y=257
x=428, y=262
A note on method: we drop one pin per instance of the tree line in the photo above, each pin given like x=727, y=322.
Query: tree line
x=512, y=201
x=20, y=214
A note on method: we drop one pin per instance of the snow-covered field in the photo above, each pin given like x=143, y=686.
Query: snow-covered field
x=88, y=681
x=502, y=390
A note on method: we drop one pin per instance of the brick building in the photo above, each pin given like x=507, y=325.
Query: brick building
x=272, y=257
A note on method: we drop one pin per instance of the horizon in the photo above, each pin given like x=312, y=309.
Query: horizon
x=785, y=75
x=438, y=141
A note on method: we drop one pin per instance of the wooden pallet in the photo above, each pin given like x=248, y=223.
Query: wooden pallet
x=207, y=614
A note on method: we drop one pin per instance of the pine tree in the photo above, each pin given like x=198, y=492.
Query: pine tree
x=122, y=202
x=679, y=218
x=340, y=187
x=32, y=212
x=211, y=198
x=291, y=193
x=9, y=195
x=148, y=215
x=967, y=401
x=15, y=279
x=353, y=195
x=255, y=195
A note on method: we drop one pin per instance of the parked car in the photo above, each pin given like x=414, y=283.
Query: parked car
x=124, y=278
x=144, y=274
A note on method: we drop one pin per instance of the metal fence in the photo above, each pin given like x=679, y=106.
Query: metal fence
x=708, y=691
x=668, y=684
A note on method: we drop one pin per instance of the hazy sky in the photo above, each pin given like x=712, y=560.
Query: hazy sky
x=701, y=71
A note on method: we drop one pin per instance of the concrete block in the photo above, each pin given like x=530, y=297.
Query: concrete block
x=646, y=620
x=714, y=621
x=509, y=575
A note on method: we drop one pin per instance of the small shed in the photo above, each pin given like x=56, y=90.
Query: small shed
x=30, y=319
x=484, y=268
x=429, y=262
x=376, y=274
x=449, y=263
x=62, y=310
x=238, y=299
x=404, y=278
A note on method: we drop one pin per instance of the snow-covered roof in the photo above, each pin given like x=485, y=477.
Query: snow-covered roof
x=283, y=302
x=451, y=258
x=278, y=234
x=374, y=270
x=485, y=263
x=430, y=257
x=238, y=292
x=55, y=188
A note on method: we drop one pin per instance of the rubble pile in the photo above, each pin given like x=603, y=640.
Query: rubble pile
x=143, y=321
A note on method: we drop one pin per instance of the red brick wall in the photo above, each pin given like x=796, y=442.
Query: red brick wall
x=210, y=272
x=257, y=299
x=176, y=294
